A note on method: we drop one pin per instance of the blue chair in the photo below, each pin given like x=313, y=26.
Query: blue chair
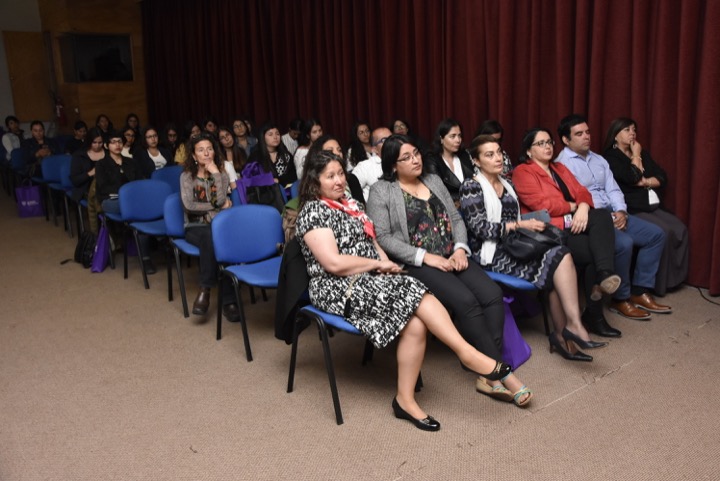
x=175, y=230
x=295, y=189
x=141, y=210
x=515, y=283
x=247, y=241
x=170, y=174
x=51, y=168
x=235, y=198
x=324, y=320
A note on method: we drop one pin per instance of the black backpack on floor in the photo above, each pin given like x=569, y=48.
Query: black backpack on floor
x=85, y=249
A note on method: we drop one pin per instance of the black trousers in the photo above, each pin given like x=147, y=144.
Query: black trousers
x=201, y=236
x=474, y=300
x=594, y=251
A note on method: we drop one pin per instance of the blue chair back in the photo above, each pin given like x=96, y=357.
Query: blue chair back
x=65, y=181
x=174, y=216
x=17, y=159
x=295, y=189
x=235, y=198
x=170, y=175
x=52, y=167
x=249, y=233
x=143, y=200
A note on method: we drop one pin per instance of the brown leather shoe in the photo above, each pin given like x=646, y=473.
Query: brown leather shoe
x=647, y=302
x=627, y=309
x=202, y=302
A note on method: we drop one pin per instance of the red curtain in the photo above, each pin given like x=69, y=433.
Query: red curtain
x=523, y=62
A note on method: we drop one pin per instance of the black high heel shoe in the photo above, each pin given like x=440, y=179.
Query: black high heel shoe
x=499, y=372
x=583, y=344
x=556, y=345
x=427, y=424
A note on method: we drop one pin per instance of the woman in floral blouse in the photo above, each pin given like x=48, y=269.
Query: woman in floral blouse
x=417, y=224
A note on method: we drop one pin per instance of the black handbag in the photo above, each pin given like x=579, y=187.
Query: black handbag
x=525, y=244
x=267, y=195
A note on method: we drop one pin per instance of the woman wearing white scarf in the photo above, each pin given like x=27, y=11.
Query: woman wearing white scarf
x=490, y=208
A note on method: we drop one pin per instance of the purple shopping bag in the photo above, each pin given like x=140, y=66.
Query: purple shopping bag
x=515, y=350
x=29, y=201
x=102, y=250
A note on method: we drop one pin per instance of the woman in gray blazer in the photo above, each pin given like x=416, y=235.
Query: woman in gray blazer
x=417, y=224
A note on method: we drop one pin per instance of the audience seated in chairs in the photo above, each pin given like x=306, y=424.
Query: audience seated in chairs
x=491, y=210
x=272, y=156
x=417, y=224
x=344, y=260
x=545, y=185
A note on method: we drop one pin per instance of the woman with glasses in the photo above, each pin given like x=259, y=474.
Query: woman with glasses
x=448, y=159
x=243, y=137
x=545, y=185
x=418, y=225
x=152, y=156
x=112, y=172
x=130, y=134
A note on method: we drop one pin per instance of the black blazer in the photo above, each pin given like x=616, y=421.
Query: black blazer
x=144, y=164
x=293, y=282
x=436, y=165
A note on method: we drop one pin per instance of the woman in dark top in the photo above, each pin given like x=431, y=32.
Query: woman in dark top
x=151, y=156
x=170, y=138
x=82, y=173
x=643, y=181
x=491, y=211
x=448, y=159
x=112, y=172
x=103, y=123
x=418, y=225
x=272, y=155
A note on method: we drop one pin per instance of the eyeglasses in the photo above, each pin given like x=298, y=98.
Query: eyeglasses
x=415, y=154
x=115, y=141
x=380, y=142
x=544, y=143
x=152, y=136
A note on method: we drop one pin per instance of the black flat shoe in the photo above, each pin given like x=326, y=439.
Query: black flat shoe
x=427, y=424
x=231, y=312
x=583, y=344
x=556, y=345
x=600, y=327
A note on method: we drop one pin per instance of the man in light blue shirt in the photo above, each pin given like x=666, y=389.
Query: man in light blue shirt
x=632, y=299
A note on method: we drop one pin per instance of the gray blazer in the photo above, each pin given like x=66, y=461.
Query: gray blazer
x=386, y=208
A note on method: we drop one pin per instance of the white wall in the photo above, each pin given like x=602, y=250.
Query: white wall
x=15, y=16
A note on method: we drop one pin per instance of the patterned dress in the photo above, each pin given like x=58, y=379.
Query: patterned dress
x=381, y=305
x=539, y=272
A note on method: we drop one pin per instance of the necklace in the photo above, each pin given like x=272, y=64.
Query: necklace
x=414, y=192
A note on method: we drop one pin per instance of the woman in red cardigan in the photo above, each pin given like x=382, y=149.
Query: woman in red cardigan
x=545, y=185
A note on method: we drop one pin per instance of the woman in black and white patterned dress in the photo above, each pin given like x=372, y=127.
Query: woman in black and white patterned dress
x=342, y=255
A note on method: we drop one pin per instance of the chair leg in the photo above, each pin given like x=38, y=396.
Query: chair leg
x=330, y=371
x=51, y=204
x=136, y=236
x=68, y=219
x=544, y=304
x=367, y=352
x=181, y=282
x=169, y=263
x=293, y=355
x=218, y=336
x=264, y=294
x=243, y=320
x=252, y=295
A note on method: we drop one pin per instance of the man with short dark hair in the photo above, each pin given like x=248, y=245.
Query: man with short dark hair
x=78, y=141
x=632, y=299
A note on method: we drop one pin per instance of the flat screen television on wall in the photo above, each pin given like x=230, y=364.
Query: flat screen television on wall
x=96, y=57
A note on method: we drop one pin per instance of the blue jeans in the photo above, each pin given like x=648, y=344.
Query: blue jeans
x=650, y=241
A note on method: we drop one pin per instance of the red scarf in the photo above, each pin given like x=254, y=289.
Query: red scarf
x=350, y=207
